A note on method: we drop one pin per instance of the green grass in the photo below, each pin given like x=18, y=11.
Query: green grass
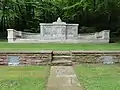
x=57, y=46
x=99, y=77
x=23, y=78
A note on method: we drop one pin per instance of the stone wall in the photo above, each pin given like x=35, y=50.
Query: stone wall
x=103, y=35
x=95, y=56
x=14, y=35
x=26, y=35
x=58, y=31
x=27, y=58
x=66, y=34
x=61, y=58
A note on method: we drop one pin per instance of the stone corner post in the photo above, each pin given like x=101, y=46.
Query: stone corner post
x=11, y=36
x=106, y=34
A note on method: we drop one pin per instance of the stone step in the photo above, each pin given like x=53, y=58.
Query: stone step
x=61, y=53
x=62, y=63
x=61, y=58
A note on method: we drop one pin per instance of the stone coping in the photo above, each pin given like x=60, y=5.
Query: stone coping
x=26, y=51
x=95, y=52
x=61, y=51
x=51, y=24
x=55, y=51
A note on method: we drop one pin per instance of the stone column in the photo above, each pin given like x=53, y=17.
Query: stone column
x=11, y=36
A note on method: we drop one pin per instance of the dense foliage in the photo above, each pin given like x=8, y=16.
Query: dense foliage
x=25, y=15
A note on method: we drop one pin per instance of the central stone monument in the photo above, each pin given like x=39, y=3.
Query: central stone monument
x=58, y=30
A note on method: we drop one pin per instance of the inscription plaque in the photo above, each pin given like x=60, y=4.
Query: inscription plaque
x=13, y=60
x=107, y=59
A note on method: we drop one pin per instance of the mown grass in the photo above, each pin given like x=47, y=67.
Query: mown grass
x=23, y=78
x=4, y=46
x=99, y=77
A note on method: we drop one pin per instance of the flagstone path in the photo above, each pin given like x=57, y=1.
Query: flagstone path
x=63, y=78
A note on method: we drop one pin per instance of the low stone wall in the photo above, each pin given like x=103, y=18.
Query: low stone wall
x=95, y=56
x=49, y=57
x=27, y=58
x=26, y=35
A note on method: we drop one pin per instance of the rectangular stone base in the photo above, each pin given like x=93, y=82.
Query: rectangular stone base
x=59, y=41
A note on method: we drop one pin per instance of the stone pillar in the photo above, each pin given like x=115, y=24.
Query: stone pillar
x=41, y=29
x=59, y=30
x=95, y=36
x=46, y=31
x=11, y=36
x=72, y=31
x=106, y=34
x=98, y=34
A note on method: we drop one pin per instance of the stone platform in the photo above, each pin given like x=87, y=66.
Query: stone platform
x=58, y=41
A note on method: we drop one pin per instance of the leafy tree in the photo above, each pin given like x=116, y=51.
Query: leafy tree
x=25, y=15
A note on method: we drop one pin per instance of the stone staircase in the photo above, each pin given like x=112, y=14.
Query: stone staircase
x=62, y=58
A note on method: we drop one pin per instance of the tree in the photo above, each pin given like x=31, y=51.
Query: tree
x=25, y=15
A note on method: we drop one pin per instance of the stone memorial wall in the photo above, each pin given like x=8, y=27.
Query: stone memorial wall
x=59, y=32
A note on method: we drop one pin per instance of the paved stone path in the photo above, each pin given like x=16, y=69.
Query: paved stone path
x=63, y=78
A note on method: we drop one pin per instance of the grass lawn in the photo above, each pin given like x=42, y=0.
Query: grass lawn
x=58, y=46
x=23, y=78
x=99, y=77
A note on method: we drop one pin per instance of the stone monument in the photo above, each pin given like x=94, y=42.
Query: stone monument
x=59, y=32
